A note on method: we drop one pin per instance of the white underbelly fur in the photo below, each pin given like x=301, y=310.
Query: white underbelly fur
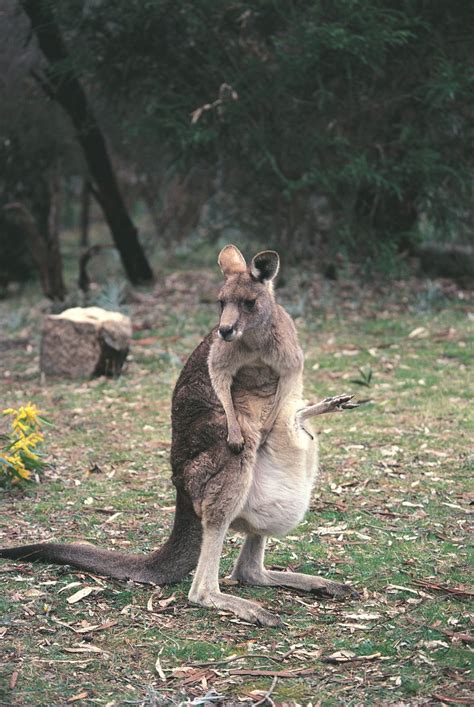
x=282, y=481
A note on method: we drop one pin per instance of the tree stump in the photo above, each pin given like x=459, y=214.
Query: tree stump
x=84, y=342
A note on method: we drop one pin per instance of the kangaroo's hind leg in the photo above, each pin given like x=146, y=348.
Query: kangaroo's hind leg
x=249, y=569
x=224, y=496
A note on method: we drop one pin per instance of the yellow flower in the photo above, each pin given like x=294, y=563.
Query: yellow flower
x=9, y=411
x=30, y=412
x=19, y=426
x=22, y=444
x=19, y=456
x=17, y=463
x=25, y=442
x=24, y=473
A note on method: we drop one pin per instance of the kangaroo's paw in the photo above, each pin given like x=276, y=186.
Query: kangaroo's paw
x=338, y=403
x=246, y=610
x=235, y=441
x=342, y=402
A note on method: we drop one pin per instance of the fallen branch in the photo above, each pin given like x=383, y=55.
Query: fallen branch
x=244, y=656
x=348, y=657
x=453, y=700
x=458, y=591
x=275, y=673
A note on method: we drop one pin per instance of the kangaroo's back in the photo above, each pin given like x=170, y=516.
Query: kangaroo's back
x=197, y=417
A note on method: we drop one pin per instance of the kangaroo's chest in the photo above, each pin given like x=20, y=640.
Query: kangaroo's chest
x=254, y=388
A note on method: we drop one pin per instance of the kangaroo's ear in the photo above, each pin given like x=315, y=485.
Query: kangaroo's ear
x=231, y=261
x=265, y=266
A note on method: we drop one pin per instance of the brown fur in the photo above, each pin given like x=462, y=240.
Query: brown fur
x=263, y=335
x=262, y=488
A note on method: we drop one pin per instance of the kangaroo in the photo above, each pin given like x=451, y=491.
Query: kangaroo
x=243, y=453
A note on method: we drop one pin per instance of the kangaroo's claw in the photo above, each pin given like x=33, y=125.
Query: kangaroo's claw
x=235, y=442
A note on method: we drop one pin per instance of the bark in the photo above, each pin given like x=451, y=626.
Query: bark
x=66, y=89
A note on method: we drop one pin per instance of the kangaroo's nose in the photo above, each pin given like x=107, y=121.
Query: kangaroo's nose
x=226, y=332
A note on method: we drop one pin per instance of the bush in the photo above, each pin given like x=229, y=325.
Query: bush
x=20, y=457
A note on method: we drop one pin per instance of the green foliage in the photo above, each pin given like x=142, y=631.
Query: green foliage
x=365, y=377
x=366, y=102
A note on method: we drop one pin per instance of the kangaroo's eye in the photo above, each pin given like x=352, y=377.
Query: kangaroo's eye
x=249, y=304
x=221, y=304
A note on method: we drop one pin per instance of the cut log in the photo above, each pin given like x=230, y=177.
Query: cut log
x=84, y=342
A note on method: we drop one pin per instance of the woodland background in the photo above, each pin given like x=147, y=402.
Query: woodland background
x=337, y=131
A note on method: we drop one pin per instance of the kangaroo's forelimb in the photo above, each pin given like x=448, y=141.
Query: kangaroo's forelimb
x=222, y=381
x=338, y=403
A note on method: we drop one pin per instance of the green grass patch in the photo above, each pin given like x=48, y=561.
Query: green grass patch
x=390, y=514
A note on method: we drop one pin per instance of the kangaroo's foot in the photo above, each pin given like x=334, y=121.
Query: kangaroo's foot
x=247, y=610
x=296, y=580
x=249, y=569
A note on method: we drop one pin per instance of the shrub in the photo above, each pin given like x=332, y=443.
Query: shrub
x=20, y=456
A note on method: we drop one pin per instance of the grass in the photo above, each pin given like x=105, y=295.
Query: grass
x=390, y=514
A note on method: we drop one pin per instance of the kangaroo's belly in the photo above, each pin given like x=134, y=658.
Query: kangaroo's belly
x=283, y=477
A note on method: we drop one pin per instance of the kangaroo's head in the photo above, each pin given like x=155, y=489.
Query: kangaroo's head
x=246, y=297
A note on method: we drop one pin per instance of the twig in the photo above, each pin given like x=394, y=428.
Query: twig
x=268, y=693
x=232, y=658
x=453, y=700
x=442, y=588
x=272, y=673
x=45, y=85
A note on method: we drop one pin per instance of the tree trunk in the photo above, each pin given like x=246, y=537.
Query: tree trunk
x=85, y=213
x=66, y=89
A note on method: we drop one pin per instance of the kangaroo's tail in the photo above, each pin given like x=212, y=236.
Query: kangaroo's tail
x=171, y=563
